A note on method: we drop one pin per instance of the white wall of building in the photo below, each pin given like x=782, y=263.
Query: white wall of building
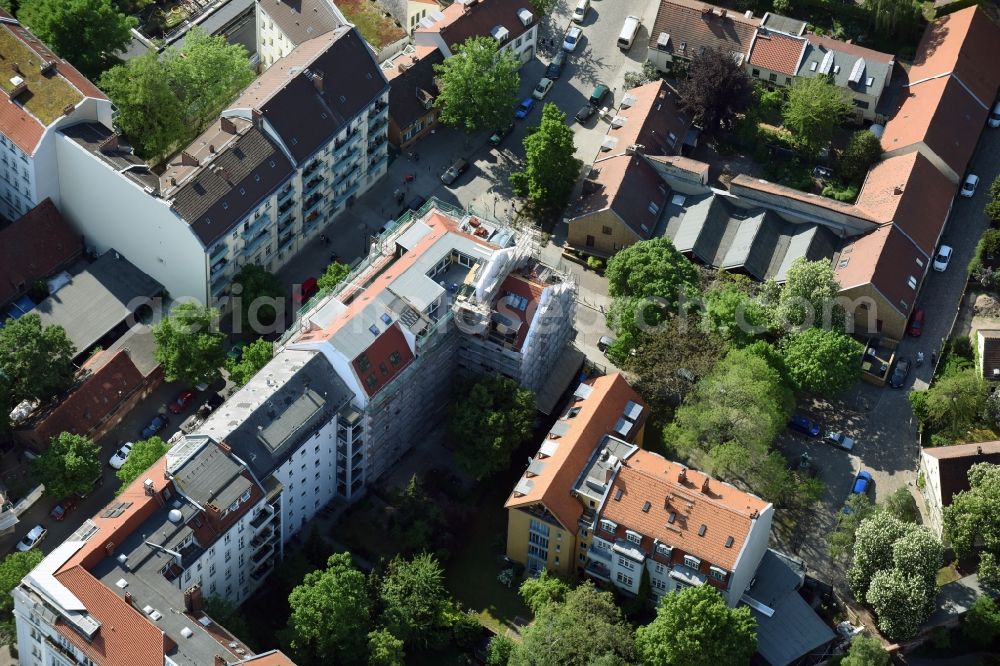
x=749, y=559
x=309, y=479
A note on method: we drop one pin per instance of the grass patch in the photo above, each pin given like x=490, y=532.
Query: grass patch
x=377, y=29
x=46, y=96
x=948, y=574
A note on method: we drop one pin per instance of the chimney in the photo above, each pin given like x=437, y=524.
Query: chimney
x=722, y=13
x=227, y=125
x=194, y=600
x=755, y=515
x=68, y=109
x=211, y=148
x=979, y=450
x=897, y=190
x=225, y=447
x=683, y=476
x=187, y=159
x=318, y=81
x=128, y=597
x=147, y=486
x=109, y=548
x=173, y=182
x=15, y=68
x=704, y=486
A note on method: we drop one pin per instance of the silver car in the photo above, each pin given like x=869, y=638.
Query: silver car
x=840, y=440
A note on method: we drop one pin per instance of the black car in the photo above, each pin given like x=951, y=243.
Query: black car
x=499, y=135
x=415, y=204
x=554, y=70
x=585, y=113
x=900, y=372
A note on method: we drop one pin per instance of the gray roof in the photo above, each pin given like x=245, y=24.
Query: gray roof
x=284, y=404
x=140, y=346
x=221, y=17
x=845, y=57
x=301, y=20
x=955, y=598
x=785, y=24
x=232, y=185
x=98, y=299
x=794, y=629
x=115, y=152
x=210, y=477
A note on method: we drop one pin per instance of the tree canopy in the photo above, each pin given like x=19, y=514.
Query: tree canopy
x=478, y=85
x=333, y=275
x=587, y=626
x=37, y=362
x=166, y=98
x=823, y=361
x=330, y=613
x=550, y=167
x=842, y=537
x=734, y=314
x=251, y=360
x=866, y=651
x=87, y=33
x=973, y=519
x=652, y=269
x=717, y=89
x=863, y=150
x=895, y=17
x=414, y=599
x=981, y=624
x=144, y=453
x=544, y=590
x=809, y=296
x=695, y=627
x=260, y=292
x=69, y=466
x=489, y=419
x=13, y=568
x=384, y=649
x=189, y=344
x=814, y=109
x=955, y=402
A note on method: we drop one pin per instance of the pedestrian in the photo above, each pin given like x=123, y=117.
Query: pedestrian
x=933, y=358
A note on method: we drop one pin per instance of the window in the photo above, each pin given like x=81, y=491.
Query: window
x=772, y=77
x=653, y=208
x=658, y=568
x=227, y=538
x=626, y=563
x=394, y=359
x=912, y=282
x=692, y=561
x=211, y=569
x=664, y=549
x=634, y=537
x=624, y=580
x=756, y=73
x=383, y=368
x=364, y=363
x=606, y=231
x=717, y=573
x=788, y=80
x=609, y=526
x=371, y=381
x=861, y=104
x=590, y=241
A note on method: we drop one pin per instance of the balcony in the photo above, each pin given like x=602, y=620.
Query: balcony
x=261, y=538
x=219, y=266
x=218, y=251
x=285, y=241
x=262, y=570
x=341, y=149
x=311, y=169
x=267, y=551
x=256, y=225
x=258, y=241
x=287, y=205
x=311, y=204
x=342, y=197
x=286, y=193
x=262, y=518
x=599, y=553
x=598, y=570
x=377, y=162
x=312, y=186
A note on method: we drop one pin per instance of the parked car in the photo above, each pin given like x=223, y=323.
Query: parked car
x=156, y=424
x=236, y=351
x=32, y=538
x=580, y=11
x=969, y=186
x=822, y=172
x=119, y=457
x=305, y=292
x=862, y=482
x=804, y=425
x=840, y=440
x=554, y=70
x=542, y=89
x=585, y=113
x=605, y=342
x=901, y=371
x=181, y=401
x=499, y=135
x=942, y=258
x=995, y=116
x=916, y=323
x=572, y=39
x=600, y=92
x=524, y=108
x=417, y=202
x=452, y=173
x=60, y=510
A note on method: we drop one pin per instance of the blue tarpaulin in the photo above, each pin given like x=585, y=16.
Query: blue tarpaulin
x=19, y=308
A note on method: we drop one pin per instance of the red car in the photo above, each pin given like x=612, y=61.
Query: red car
x=308, y=289
x=60, y=510
x=917, y=323
x=182, y=400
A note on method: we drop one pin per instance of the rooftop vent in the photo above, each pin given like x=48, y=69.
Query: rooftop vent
x=646, y=506
x=186, y=633
x=175, y=516
x=18, y=86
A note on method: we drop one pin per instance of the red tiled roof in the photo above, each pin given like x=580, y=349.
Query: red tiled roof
x=599, y=412
x=379, y=353
x=777, y=52
x=135, y=640
x=963, y=43
x=697, y=26
x=477, y=20
x=272, y=658
x=723, y=510
x=886, y=259
x=654, y=120
x=35, y=246
x=910, y=192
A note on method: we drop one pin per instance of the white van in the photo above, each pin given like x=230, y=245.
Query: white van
x=629, y=31
x=580, y=12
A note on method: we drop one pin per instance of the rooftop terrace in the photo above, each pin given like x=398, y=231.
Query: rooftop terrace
x=47, y=94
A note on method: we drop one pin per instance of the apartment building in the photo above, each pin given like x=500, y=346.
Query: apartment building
x=289, y=155
x=945, y=470
x=510, y=22
x=284, y=24
x=129, y=586
x=413, y=89
x=41, y=94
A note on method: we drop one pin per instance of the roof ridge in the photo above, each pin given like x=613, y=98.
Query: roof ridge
x=697, y=492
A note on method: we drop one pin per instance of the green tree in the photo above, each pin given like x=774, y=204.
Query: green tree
x=895, y=17
x=814, y=109
x=333, y=275
x=973, y=520
x=652, y=269
x=902, y=505
x=384, y=649
x=901, y=602
x=144, y=453
x=478, y=85
x=228, y=615
x=14, y=567
x=550, y=168
x=823, y=361
x=809, y=296
x=330, y=613
x=717, y=89
x=490, y=418
x=981, y=624
x=842, y=538
x=695, y=627
x=166, y=98
x=414, y=599
x=69, y=466
x=863, y=150
x=251, y=360
x=542, y=591
x=189, y=344
x=37, y=362
x=584, y=628
x=88, y=33
x=993, y=205
x=955, y=402
x=866, y=651
x=499, y=650
x=734, y=314
x=259, y=291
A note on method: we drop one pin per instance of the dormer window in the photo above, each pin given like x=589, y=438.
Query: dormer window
x=634, y=537
x=717, y=573
x=664, y=550
x=692, y=562
x=609, y=526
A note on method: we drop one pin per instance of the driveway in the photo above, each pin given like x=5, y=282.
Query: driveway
x=880, y=419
